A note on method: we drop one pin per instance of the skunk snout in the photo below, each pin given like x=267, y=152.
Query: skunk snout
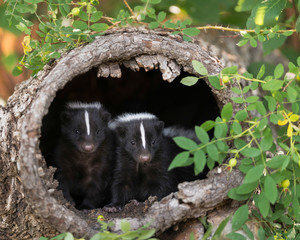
x=88, y=147
x=144, y=158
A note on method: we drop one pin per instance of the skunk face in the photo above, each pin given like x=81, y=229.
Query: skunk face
x=84, y=126
x=140, y=138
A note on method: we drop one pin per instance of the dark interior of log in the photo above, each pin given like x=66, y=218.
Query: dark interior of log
x=141, y=91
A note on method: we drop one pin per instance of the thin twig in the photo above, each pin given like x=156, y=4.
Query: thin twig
x=238, y=30
x=130, y=9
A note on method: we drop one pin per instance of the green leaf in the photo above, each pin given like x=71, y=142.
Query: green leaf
x=254, y=174
x=191, y=31
x=154, y=1
x=202, y=134
x=247, y=188
x=186, y=38
x=237, y=100
x=212, y=151
x=235, y=236
x=263, y=204
x=261, y=72
x=298, y=61
x=229, y=70
x=270, y=189
x=226, y=112
x=199, y=161
x=277, y=161
x=80, y=25
x=272, y=85
x=215, y=82
x=253, y=42
x=208, y=125
x=17, y=70
x=99, y=27
x=239, y=197
x=271, y=103
x=246, y=5
x=169, y=24
x=125, y=226
x=267, y=141
x=261, y=234
x=250, y=152
x=199, y=67
x=189, y=81
x=266, y=13
x=298, y=24
x=241, y=115
x=153, y=25
x=96, y=16
x=161, y=16
x=240, y=217
x=279, y=70
x=83, y=15
x=292, y=94
x=220, y=130
x=220, y=228
x=260, y=108
x=146, y=234
x=69, y=236
x=274, y=43
x=185, y=143
x=179, y=160
x=242, y=42
x=237, y=128
x=252, y=99
x=296, y=207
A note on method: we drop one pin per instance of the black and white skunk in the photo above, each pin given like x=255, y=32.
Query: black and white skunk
x=84, y=155
x=144, y=154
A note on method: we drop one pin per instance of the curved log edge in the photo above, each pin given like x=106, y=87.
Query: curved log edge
x=20, y=128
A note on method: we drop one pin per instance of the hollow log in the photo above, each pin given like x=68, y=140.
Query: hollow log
x=31, y=205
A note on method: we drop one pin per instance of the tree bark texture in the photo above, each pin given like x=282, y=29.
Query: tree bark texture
x=30, y=204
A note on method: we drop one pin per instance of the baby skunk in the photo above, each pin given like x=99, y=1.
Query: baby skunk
x=84, y=155
x=143, y=157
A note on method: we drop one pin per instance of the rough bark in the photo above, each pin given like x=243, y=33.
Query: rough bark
x=30, y=205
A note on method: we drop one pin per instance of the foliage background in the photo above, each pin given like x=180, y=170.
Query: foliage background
x=202, y=12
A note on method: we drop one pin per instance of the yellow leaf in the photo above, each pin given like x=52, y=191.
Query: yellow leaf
x=294, y=118
x=282, y=123
x=290, y=130
x=26, y=44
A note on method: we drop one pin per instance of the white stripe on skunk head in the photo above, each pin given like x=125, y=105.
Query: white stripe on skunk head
x=142, y=129
x=87, y=122
x=128, y=117
x=82, y=105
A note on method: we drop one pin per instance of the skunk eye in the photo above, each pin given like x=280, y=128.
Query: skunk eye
x=98, y=132
x=132, y=142
x=77, y=131
x=153, y=142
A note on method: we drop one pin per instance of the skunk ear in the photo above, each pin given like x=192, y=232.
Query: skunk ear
x=105, y=116
x=64, y=116
x=159, y=126
x=121, y=131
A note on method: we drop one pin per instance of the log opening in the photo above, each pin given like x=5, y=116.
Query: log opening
x=137, y=49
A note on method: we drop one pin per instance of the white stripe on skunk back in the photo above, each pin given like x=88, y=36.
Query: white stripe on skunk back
x=127, y=117
x=82, y=105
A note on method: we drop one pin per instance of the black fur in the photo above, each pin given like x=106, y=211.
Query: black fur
x=142, y=172
x=85, y=161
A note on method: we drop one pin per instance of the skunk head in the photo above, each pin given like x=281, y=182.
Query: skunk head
x=84, y=125
x=139, y=134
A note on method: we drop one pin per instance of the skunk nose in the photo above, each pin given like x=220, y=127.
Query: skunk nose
x=88, y=147
x=145, y=158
